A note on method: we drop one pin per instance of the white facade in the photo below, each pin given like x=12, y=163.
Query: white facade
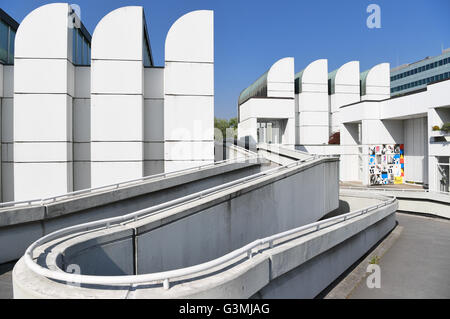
x=189, y=92
x=276, y=107
x=117, y=99
x=42, y=160
x=359, y=107
x=311, y=109
x=68, y=126
x=344, y=89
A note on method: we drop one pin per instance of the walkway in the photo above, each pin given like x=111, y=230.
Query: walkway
x=6, y=280
x=418, y=263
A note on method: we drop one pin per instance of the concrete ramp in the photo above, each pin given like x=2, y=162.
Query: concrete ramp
x=162, y=251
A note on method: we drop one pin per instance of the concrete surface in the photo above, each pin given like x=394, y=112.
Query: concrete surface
x=353, y=278
x=24, y=225
x=417, y=265
x=330, y=250
x=6, y=288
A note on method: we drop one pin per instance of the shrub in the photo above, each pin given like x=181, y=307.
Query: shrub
x=446, y=127
x=374, y=260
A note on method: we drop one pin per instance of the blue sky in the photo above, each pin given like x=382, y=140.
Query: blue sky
x=251, y=35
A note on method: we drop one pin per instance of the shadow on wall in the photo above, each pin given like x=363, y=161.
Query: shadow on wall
x=343, y=208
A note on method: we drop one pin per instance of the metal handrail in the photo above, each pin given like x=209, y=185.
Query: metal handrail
x=65, y=196
x=166, y=276
x=107, y=223
x=395, y=189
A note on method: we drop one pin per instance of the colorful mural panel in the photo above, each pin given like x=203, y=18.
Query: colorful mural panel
x=386, y=164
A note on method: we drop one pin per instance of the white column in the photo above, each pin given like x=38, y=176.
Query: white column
x=376, y=83
x=82, y=128
x=7, y=179
x=117, y=97
x=344, y=90
x=189, y=92
x=280, y=85
x=312, y=108
x=43, y=91
x=153, y=121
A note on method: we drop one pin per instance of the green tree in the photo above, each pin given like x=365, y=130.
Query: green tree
x=223, y=125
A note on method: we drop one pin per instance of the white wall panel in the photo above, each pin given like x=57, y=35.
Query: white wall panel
x=42, y=152
x=32, y=42
x=154, y=120
x=117, y=84
x=119, y=35
x=154, y=151
x=191, y=118
x=40, y=180
x=42, y=112
x=154, y=82
x=7, y=120
x=81, y=120
x=116, y=117
x=189, y=151
x=116, y=151
x=83, y=82
x=191, y=79
x=191, y=38
x=8, y=81
x=116, y=77
x=101, y=172
x=188, y=77
x=42, y=117
x=314, y=134
x=41, y=76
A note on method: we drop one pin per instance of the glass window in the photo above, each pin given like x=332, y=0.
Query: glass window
x=4, y=30
x=85, y=52
x=79, y=47
x=146, y=52
x=12, y=36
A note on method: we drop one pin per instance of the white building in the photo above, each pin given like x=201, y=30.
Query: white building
x=266, y=109
x=383, y=139
x=85, y=112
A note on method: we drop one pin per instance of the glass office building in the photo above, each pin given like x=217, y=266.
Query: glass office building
x=415, y=76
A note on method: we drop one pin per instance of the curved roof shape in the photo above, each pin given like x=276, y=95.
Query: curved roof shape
x=315, y=73
x=377, y=76
x=43, y=33
x=120, y=35
x=280, y=72
x=347, y=74
x=191, y=38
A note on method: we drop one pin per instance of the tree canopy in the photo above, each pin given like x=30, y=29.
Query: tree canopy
x=223, y=124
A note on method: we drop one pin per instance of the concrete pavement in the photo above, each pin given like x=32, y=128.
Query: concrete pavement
x=6, y=289
x=418, y=263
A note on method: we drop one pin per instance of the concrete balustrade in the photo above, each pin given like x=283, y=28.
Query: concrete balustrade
x=24, y=224
x=299, y=265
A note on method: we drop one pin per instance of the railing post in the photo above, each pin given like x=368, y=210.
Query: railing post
x=249, y=253
x=271, y=244
x=166, y=284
